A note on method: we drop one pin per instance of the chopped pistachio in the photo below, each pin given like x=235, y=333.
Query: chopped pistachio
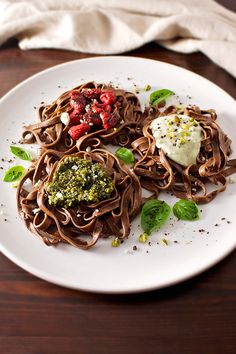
x=147, y=88
x=164, y=241
x=115, y=242
x=176, y=119
x=143, y=237
x=170, y=129
x=185, y=133
x=179, y=106
x=171, y=135
x=184, y=126
x=15, y=184
x=182, y=140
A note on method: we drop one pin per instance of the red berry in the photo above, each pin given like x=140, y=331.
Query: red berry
x=100, y=107
x=91, y=93
x=79, y=107
x=108, y=120
x=96, y=107
x=108, y=97
x=79, y=130
x=74, y=94
x=107, y=108
x=92, y=119
x=78, y=96
x=75, y=117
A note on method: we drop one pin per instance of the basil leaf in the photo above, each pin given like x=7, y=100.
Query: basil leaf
x=154, y=214
x=14, y=174
x=19, y=152
x=125, y=154
x=160, y=95
x=186, y=210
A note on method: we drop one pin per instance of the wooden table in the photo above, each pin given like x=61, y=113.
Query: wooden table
x=198, y=316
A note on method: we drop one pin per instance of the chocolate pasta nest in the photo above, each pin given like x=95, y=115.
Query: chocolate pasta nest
x=83, y=224
x=200, y=182
x=96, y=114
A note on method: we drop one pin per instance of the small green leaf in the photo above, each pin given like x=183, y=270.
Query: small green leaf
x=160, y=95
x=154, y=214
x=125, y=154
x=186, y=210
x=14, y=174
x=19, y=152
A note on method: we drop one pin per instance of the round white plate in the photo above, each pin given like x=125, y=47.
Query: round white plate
x=122, y=269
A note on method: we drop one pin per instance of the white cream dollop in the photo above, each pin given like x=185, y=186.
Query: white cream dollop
x=179, y=136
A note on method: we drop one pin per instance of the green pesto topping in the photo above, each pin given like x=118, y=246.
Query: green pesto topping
x=77, y=180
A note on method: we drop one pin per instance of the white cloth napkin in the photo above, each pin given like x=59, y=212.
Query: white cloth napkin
x=117, y=26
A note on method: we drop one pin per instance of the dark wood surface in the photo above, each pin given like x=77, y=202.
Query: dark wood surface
x=198, y=316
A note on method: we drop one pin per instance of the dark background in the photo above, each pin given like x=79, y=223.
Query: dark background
x=197, y=316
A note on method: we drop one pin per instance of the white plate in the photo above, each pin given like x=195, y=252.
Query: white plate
x=104, y=268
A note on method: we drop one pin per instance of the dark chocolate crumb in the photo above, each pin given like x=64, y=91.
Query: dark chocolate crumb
x=208, y=232
x=122, y=241
x=228, y=222
x=135, y=248
x=216, y=224
x=149, y=243
x=147, y=252
x=5, y=219
x=223, y=218
x=175, y=241
x=42, y=102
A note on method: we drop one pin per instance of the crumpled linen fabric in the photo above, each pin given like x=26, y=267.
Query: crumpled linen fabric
x=118, y=26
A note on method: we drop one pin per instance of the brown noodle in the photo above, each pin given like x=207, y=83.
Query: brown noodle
x=50, y=133
x=73, y=225
x=157, y=172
